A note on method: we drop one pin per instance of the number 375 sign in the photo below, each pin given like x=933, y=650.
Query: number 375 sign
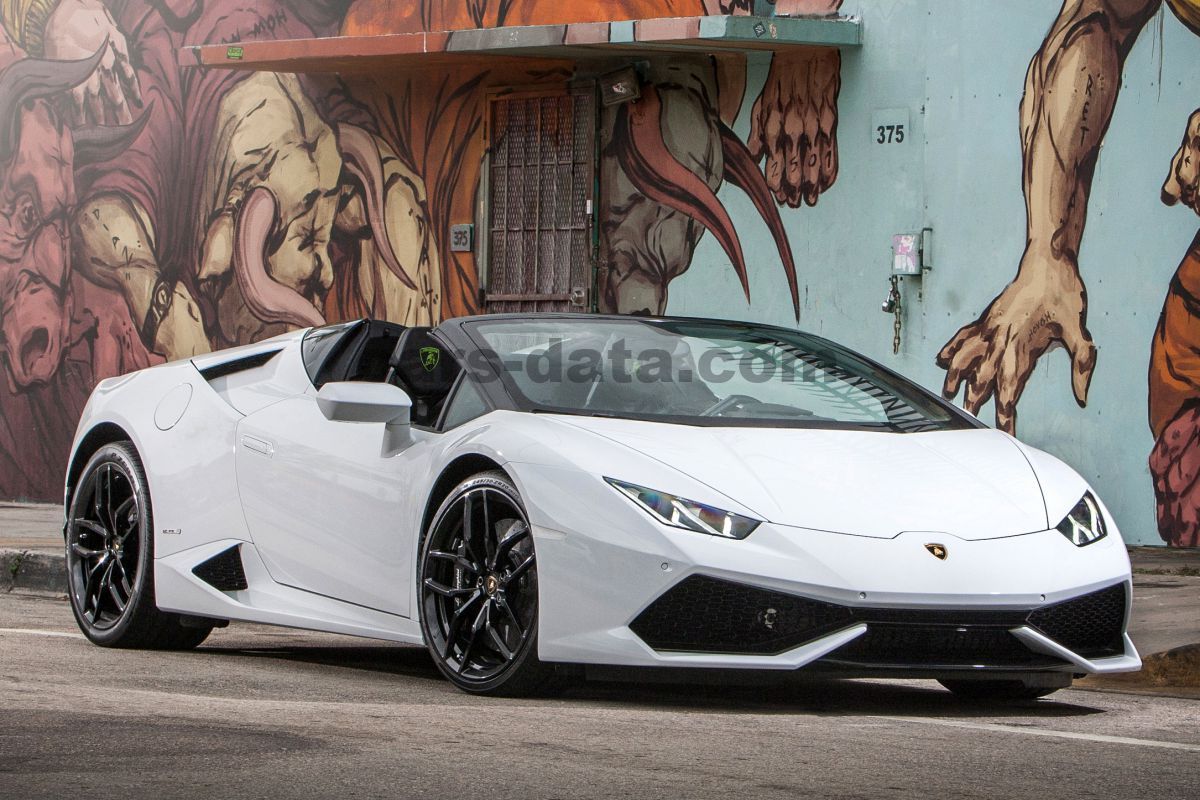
x=889, y=126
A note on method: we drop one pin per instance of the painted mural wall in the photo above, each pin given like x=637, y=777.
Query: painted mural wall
x=154, y=211
x=150, y=210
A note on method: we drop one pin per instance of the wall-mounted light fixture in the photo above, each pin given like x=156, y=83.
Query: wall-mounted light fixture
x=622, y=86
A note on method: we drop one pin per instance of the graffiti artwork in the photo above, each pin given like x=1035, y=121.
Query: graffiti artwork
x=151, y=210
x=1070, y=92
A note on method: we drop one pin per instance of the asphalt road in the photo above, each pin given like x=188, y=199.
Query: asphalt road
x=271, y=713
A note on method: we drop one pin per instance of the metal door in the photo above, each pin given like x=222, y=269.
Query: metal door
x=540, y=182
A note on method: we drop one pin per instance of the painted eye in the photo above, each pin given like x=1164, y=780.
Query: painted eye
x=26, y=217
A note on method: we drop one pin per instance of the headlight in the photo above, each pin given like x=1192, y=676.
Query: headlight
x=687, y=514
x=1085, y=523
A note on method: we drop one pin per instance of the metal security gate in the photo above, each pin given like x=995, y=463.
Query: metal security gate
x=540, y=177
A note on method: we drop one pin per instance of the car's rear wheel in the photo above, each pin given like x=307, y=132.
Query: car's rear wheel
x=110, y=557
x=479, y=590
x=988, y=691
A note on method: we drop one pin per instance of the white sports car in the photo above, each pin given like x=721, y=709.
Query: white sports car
x=543, y=496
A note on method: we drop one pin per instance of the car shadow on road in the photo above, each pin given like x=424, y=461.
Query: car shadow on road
x=832, y=697
x=752, y=693
x=401, y=660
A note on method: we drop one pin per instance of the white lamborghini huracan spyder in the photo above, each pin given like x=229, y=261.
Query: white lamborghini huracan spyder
x=529, y=495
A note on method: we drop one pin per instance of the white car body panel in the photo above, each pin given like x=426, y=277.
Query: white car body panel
x=328, y=514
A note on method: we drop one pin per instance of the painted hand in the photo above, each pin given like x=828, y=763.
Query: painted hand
x=1183, y=180
x=1175, y=467
x=995, y=355
x=77, y=29
x=794, y=124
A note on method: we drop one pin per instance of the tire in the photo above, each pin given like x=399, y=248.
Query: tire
x=110, y=558
x=478, y=591
x=1011, y=691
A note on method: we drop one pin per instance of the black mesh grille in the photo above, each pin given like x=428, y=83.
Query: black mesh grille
x=1090, y=625
x=223, y=571
x=702, y=614
x=906, y=645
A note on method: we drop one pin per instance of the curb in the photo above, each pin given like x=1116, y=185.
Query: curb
x=32, y=571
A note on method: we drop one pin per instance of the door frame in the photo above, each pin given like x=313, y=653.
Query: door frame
x=483, y=245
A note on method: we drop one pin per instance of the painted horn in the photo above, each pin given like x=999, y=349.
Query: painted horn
x=266, y=298
x=31, y=78
x=98, y=143
x=655, y=172
x=742, y=171
x=365, y=163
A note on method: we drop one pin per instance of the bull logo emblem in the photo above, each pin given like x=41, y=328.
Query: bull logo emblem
x=430, y=356
x=938, y=551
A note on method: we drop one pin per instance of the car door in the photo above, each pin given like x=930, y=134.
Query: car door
x=325, y=502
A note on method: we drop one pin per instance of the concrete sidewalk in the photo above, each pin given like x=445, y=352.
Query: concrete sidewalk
x=1166, y=590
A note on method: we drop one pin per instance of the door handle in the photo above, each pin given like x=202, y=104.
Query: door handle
x=258, y=445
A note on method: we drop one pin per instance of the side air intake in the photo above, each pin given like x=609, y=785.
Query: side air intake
x=223, y=571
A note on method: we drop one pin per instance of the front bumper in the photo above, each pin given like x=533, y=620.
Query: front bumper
x=890, y=606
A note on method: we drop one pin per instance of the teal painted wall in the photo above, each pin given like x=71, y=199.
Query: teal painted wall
x=959, y=68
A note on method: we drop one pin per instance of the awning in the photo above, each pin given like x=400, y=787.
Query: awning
x=709, y=34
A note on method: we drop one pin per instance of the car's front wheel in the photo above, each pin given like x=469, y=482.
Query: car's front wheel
x=479, y=590
x=110, y=557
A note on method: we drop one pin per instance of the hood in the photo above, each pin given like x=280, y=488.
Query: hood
x=971, y=484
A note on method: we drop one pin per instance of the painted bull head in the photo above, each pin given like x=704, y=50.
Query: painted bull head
x=38, y=154
x=667, y=156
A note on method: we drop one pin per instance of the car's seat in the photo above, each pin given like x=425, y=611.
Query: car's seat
x=422, y=366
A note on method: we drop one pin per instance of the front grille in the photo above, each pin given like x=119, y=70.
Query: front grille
x=1090, y=625
x=223, y=571
x=707, y=615
x=710, y=615
x=938, y=645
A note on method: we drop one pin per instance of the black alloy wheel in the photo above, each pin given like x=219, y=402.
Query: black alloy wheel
x=479, y=590
x=110, y=557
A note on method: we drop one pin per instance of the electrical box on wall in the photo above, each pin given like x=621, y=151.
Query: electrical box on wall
x=912, y=252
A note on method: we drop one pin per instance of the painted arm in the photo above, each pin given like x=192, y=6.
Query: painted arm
x=1070, y=90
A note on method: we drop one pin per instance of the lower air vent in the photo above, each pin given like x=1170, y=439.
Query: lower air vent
x=1089, y=625
x=223, y=571
x=702, y=614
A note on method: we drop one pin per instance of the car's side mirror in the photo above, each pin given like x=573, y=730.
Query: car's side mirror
x=360, y=401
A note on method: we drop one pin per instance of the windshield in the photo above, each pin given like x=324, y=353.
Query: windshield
x=704, y=373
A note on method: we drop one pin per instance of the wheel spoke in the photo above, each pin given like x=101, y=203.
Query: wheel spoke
x=489, y=544
x=470, y=529
x=93, y=586
x=456, y=623
x=476, y=626
x=464, y=564
x=519, y=570
x=108, y=497
x=112, y=591
x=120, y=515
x=446, y=591
x=98, y=492
x=126, y=586
x=515, y=534
x=501, y=645
x=84, y=552
x=95, y=570
x=92, y=527
x=503, y=605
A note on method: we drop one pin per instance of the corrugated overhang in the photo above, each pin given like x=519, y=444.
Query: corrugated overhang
x=573, y=42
